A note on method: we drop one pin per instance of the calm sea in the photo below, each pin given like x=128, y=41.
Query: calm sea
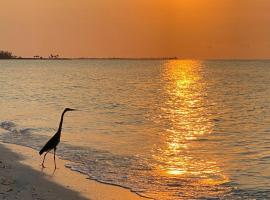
x=165, y=129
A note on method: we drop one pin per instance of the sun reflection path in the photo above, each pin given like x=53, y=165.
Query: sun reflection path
x=187, y=115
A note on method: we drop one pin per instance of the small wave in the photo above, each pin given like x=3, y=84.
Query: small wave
x=7, y=125
x=13, y=128
x=73, y=167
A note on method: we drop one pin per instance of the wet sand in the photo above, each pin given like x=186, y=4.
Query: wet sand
x=21, y=177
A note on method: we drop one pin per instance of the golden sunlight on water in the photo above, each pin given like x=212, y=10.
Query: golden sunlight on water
x=188, y=119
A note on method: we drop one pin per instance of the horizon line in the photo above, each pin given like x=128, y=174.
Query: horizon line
x=136, y=58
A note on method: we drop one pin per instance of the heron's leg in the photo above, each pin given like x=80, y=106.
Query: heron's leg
x=44, y=159
x=54, y=158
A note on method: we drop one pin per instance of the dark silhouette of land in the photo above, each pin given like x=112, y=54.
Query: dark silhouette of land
x=9, y=55
x=6, y=55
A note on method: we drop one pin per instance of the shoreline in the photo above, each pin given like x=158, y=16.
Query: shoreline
x=21, y=177
x=55, y=59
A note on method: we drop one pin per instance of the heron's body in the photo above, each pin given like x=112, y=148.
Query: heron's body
x=54, y=141
x=51, y=144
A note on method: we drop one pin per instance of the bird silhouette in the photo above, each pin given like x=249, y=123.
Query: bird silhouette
x=54, y=141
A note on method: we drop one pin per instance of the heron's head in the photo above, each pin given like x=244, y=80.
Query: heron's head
x=69, y=109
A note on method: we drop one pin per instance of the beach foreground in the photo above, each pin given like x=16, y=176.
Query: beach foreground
x=21, y=177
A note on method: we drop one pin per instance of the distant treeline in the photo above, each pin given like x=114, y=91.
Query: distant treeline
x=6, y=55
x=9, y=55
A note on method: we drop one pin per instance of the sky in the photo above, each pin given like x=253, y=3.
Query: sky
x=196, y=29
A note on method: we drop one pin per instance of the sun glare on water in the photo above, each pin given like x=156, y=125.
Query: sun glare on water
x=188, y=119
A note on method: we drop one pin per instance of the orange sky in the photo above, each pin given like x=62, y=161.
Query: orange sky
x=137, y=28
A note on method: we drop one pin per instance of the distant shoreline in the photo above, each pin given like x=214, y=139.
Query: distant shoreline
x=169, y=58
x=172, y=58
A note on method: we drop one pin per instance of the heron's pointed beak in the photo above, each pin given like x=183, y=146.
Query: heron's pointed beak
x=73, y=110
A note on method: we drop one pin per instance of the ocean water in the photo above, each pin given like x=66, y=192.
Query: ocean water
x=165, y=129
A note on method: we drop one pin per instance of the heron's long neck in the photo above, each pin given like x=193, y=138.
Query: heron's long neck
x=61, y=123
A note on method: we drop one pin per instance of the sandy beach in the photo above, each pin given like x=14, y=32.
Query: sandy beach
x=21, y=177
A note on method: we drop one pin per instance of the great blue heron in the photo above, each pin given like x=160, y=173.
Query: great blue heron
x=54, y=141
